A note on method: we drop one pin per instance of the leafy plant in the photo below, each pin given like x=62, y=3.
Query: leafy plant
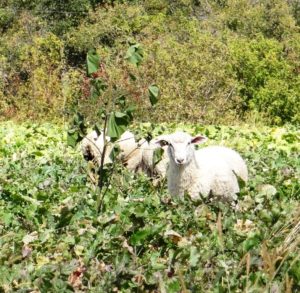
x=214, y=61
x=77, y=130
x=53, y=239
x=263, y=73
x=153, y=93
x=135, y=54
x=115, y=114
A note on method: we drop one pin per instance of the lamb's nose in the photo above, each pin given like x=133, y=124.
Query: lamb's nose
x=179, y=161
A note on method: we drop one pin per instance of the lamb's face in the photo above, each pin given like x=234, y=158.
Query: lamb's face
x=180, y=146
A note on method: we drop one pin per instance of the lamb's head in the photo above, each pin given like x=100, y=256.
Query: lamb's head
x=180, y=146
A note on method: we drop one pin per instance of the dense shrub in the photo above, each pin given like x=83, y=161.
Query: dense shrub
x=190, y=66
x=271, y=18
x=32, y=67
x=267, y=80
x=214, y=61
x=6, y=18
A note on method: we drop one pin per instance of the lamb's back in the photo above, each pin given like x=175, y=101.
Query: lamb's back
x=218, y=156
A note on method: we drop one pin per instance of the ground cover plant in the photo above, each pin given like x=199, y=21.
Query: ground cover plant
x=53, y=239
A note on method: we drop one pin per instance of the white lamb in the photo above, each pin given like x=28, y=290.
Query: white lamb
x=135, y=156
x=92, y=147
x=210, y=170
x=148, y=166
x=130, y=154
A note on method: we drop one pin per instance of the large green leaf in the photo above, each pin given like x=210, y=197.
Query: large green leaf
x=117, y=124
x=134, y=54
x=153, y=94
x=92, y=62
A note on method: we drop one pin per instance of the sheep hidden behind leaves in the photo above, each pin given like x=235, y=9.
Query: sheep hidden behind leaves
x=212, y=170
x=136, y=156
x=93, y=144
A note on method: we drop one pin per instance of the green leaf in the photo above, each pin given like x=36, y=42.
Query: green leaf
x=153, y=94
x=157, y=155
x=129, y=111
x=156, y=262
x=140, y=236
x=194, y=256
x=117, y=124
x=78, y=119
x=121, y=101
x=77, y=131
x=295, y=271
x=174, y=286
x=92, y=62
x=98, y=87
x=251, y=242
x=114, y=153
x=31, y=200
x=132, y=77
x=7, y=218
x=134, y=54
x=72, y=138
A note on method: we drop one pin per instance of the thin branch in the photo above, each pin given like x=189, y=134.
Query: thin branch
x=100, y=172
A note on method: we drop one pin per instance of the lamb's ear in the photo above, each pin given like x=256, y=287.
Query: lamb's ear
x=161, y=141
x=199, y=139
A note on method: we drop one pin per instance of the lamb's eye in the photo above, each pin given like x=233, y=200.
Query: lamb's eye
x=164, y=143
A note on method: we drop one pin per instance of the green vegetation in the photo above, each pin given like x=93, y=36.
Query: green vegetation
x=169, y=64
x=214, y=61
x=54, y=240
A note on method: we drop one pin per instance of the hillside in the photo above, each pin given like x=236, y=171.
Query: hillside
x=214, y=61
